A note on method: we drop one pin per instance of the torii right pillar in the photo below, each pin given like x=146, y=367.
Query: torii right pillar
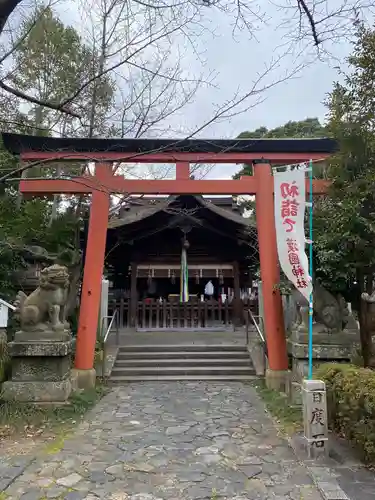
x=277, y=374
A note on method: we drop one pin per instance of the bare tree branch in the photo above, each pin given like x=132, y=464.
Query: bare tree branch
x=310, y=18
x=147, y=43
x=57, y=107
x=317, y=20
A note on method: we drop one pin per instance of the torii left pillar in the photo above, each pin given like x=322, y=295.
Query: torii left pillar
x=84, y=372
x=277, y=373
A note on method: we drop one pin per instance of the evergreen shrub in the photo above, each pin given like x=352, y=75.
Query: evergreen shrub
x=351, y=404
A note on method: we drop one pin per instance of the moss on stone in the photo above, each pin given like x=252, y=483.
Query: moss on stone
x=57, y=444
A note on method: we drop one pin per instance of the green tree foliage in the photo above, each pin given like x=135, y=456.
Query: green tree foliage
x=53, y=62
x=26, y=226
x=345, y=220
x=310, y=127
x=345, y=230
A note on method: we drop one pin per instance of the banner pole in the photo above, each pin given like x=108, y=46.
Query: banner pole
x=311, y=305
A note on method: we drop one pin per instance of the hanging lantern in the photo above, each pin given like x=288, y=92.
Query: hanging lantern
x=149, y=277
x=221, y=277
x=197, y=276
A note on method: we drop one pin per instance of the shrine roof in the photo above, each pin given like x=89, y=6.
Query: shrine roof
x=18, y=143
x=135, y=213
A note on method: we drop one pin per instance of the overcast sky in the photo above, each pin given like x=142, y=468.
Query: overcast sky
x=237, y=61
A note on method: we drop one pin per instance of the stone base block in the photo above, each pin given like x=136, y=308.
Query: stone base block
x=278, y=380
x=43, y=335
x=322, y=351
x=47, y=369
x=35, y=392
x=39, y=349
x=83, y=379
x=346, y=337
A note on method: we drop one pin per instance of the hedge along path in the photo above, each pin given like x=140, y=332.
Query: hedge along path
x=351, y=405
x=178, y=440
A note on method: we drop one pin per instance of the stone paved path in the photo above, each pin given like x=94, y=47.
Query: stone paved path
x=175, y=441
x=341, y=475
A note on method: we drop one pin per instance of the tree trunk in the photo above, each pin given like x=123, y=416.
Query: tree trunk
x=366, y=319
x=38, y=123
x=56, y=201
x=56, y=197
x=363, y=333
x=75, y=275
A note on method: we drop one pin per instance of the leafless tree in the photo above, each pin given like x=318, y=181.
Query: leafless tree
x=135, y=42
x=315, y=21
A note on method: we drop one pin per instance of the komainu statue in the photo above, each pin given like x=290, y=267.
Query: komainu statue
x=44, y=308
x=331, y=313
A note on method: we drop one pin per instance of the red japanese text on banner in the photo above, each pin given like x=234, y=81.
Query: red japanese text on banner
x=290, y=204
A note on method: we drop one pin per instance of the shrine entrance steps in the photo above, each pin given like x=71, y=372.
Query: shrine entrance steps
x=182, y=362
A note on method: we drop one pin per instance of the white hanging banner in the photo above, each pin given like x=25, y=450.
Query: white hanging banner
x=290, y=203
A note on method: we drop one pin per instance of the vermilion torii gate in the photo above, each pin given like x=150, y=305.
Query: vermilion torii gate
x=262, y=153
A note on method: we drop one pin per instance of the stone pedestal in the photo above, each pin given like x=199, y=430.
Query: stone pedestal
x=40, y=369
x=327, y=347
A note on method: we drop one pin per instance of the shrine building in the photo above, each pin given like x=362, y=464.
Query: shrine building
x=146, y=244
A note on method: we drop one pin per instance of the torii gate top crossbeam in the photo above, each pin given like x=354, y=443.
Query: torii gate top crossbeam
x=182, y=152
x=276, y=151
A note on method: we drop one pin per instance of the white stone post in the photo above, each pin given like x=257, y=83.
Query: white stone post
x=104, y=306
x=314, y=398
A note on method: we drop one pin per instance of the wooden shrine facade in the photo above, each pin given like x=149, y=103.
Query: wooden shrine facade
x=171, y=271
x=144, y=244
x=109, y=154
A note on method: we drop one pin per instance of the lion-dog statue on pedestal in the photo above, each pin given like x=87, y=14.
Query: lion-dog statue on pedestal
x=44, y=308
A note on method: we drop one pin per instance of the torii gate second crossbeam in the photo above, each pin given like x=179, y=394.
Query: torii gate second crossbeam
x=104, y=182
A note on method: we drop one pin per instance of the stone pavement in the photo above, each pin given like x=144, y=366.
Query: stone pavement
x=341, y=475
x=175, y=441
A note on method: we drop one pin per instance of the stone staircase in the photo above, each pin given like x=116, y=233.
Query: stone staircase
x=182, y=362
